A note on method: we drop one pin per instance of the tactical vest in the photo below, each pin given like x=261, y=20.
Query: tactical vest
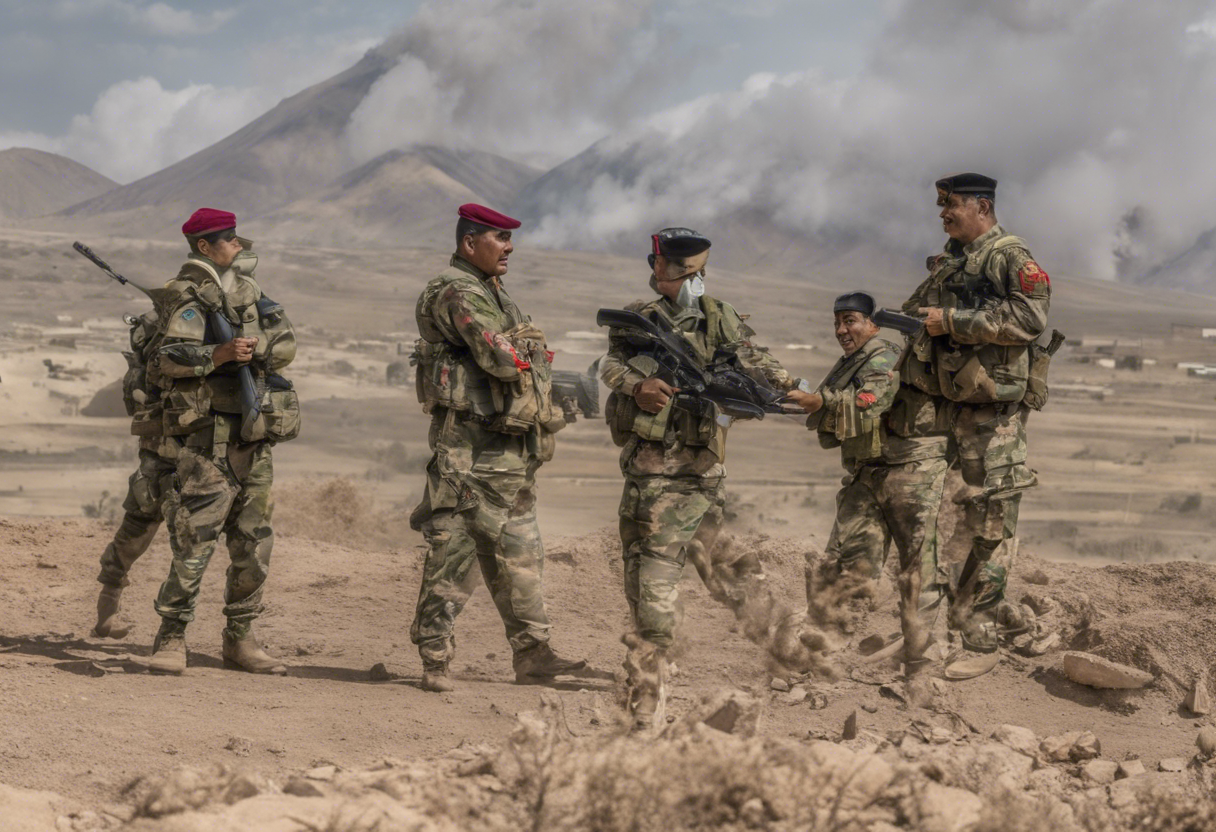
x=858, y=433
x=969, y=373
x=189, y=402
x=448, y=377
x=723, y=326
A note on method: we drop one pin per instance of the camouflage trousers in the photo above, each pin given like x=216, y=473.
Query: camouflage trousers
x=878, y=504
x=479, y=508
x=991, y=448
x=220, y=487
x=141, y=517
x=664, y=520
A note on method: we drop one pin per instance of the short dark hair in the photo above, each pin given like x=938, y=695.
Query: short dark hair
x=212, y=238
x=469, y=228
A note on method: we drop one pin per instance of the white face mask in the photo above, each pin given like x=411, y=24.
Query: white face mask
x=690, y=291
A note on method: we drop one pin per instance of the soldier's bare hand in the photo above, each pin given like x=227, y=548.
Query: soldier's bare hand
x=809, y=402
x=934, y=320
x=653, y=394
x=239, y=350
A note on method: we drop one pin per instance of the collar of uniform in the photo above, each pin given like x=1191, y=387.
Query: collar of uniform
x=465, y=266
x=680, y=313
x=199, y=258
x=984, y=239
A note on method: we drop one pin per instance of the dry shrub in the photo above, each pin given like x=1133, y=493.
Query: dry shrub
x=1168, y=810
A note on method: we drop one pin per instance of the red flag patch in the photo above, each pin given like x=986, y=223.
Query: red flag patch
x=864, y=400
x=1030, y=276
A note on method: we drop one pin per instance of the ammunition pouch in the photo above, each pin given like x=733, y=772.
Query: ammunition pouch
x=280, y=410
x=526, y=401
x=187, y=407
x=443, y=378
x=985, y=374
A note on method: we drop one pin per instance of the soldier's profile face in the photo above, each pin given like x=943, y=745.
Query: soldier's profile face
x=223, y=252
x=963, y=218
x=488, y=251
x=853, y=330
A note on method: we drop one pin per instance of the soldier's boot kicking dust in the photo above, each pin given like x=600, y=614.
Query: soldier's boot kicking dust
x=169, y=648
x=242, y=652
x=109, y=602
x=435, y=677
x=646, y=684
x=978, y=655
x=539, y=665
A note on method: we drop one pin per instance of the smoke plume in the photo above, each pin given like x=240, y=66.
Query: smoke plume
x=1095, y=116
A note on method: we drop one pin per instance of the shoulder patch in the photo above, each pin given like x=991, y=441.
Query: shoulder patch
x=1030, y=277
x=188, y=315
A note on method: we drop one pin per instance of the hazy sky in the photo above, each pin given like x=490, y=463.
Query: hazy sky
x=830, y=118
x=129, y=86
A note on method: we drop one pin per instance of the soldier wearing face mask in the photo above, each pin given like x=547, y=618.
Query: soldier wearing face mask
x=672, y=460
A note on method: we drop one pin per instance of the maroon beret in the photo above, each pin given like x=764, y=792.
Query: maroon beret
x=487, y=216
x=206, y=220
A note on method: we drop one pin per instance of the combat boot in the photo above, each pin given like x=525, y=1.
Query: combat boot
x=109, y=602
x=169, y=649
x=538, y=665
x=435, y=677
x=244, y=653
x=968, y=664
x=646, y=684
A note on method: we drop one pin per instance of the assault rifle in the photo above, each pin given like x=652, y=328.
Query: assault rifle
x=251, y=407
x=723, y=383
x=891, y=319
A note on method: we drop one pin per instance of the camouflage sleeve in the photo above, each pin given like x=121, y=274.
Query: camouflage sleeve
x=1018, y=318
x=879, y=380
x=182, y=353
x=614, y=371
x=479, y=324
x=754, y=357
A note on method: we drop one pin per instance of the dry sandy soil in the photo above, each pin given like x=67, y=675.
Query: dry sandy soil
x=1120, y=530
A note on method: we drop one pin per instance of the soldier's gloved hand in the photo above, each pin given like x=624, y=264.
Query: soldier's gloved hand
x=653, y=394
x=809, y=402
x=239, y=350
x=934, y=320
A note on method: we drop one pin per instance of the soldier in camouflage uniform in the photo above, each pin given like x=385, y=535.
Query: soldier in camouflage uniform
x=142, y=514
x=891, y=492
x=223, y=466
x=484, y=377
x=671, y=509
x=985, y=303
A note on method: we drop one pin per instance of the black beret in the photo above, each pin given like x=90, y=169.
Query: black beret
x=971, y=184
x=862, y=302
x=678, y=242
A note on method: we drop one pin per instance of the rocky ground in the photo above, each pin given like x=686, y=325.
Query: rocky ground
x=348, y=742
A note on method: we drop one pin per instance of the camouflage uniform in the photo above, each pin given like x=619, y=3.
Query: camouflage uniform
x=891, y=492
x=995, y=300
x=481, y=366
x=147, y=486
x=673, y=463
x=221, y=481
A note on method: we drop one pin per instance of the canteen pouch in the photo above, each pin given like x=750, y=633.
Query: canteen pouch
x=1040, y=363
x=280, y=410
